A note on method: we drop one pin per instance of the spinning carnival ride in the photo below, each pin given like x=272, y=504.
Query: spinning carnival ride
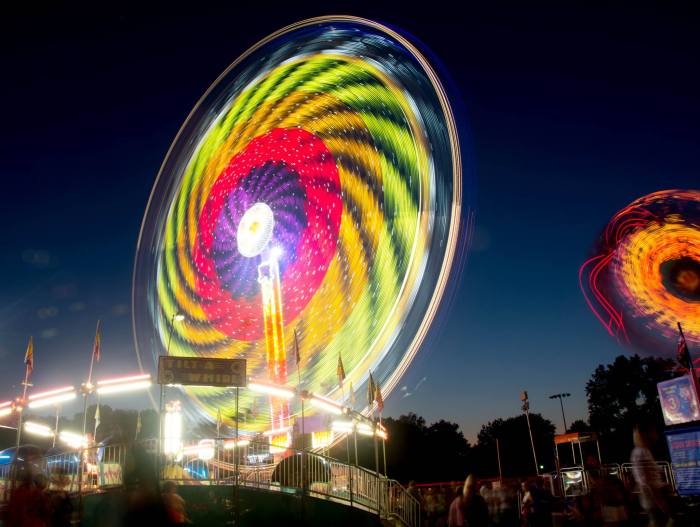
x=644, y=277
x=312, y=198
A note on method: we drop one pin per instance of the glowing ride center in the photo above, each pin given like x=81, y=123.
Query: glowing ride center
x=254, y=235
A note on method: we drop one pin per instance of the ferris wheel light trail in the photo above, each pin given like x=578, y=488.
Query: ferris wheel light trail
x=312, y=201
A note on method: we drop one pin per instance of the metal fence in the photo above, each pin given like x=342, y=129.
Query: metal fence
x=576, y=481
x=216, y=462
x=662, y=468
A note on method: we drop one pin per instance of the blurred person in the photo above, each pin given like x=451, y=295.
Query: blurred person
x=174, y=503
x=430, y=505
x=441, y=507
x=506, y=500
x=583, y=510
x=490, y=496
x=486, y=492
x=412, y=490
x=613, y=501
x=28, y=505
x=469, y=509
x=647, y=477
x=541, y=515
x=526, y=502
x=144, y=503
x=61, y=505
x=138, y=502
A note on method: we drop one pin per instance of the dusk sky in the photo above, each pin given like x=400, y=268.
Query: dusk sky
x=567, y=114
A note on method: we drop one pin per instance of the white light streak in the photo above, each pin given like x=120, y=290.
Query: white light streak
x=126, y=387
x=146, y=376
x=50, y=392
x=323, y=403
x=53, y=400
x=72, y=439
x=38, y=429
x=229, y=445
x=270, y=389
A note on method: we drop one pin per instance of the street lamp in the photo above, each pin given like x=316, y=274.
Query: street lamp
x=561, y=396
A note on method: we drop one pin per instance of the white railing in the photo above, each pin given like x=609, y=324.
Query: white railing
x=402, y=505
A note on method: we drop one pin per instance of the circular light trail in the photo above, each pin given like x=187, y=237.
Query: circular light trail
x=316, y=187
x=645, y=275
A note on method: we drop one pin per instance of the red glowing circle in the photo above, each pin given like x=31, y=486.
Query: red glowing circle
x=301, y=153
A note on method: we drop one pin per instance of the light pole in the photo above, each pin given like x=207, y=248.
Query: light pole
x=561, y=397
x=526, y=411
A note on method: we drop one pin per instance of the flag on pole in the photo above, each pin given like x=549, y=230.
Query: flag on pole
x=341, y=371
x=29, y=357
x=138, y=425
x=683, y=354
x=297, y=356
x=371, y=390
x=96, y=346
x=352, y=395
x=379, y=399
x=97, y=418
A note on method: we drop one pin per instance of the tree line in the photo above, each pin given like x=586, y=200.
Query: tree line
x=619, y=395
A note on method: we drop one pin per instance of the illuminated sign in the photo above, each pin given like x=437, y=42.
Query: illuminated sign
x=678, y=399
x=684, y=446
x=197, y=371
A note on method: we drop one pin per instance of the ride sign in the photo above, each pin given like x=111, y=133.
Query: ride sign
x=199, y=371
x=679, y=401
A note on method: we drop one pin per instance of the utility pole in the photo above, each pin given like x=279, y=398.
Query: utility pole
x=526, y=411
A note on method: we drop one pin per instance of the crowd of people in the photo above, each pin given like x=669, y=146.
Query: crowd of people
x=645, y=499
x=37, y=501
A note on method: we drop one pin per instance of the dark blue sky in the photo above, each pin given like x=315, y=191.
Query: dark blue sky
x=572, y=113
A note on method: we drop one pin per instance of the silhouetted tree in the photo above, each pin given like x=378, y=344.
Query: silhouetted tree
x=415, y=451
x=449, y=451
x=579, y=425
x=516, y=451
x=623, y=394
